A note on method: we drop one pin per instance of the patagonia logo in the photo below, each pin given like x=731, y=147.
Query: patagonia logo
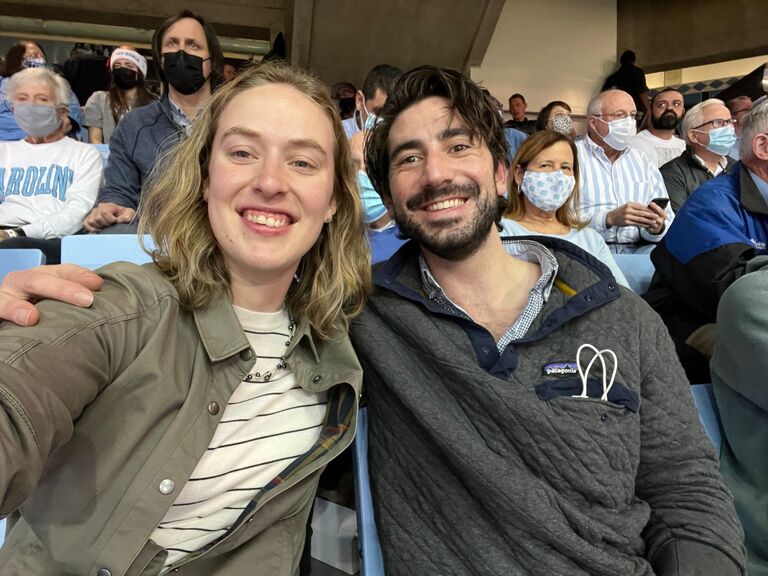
x=757, y=244
x=560, y=369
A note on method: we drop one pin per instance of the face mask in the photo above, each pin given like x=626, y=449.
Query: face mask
x=184, y=71
x=371, y=121
x=34, y=63
x=125, y=78
x=37, y=120
x=721, y=140
x=563, y=124
x=372, y=205
x=547, y=190
x=620, y=132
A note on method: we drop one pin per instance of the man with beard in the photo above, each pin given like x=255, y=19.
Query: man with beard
x=526, y=414
x=189, y=60
x=658, y=141
x=710, y=135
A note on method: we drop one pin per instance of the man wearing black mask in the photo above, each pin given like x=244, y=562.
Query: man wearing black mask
x=658, y=140
x=189, y=62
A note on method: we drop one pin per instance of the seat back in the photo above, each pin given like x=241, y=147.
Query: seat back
x=704, y=398
x=638, y=269
x=14, y=259
x=371, y=561
x=95, y=250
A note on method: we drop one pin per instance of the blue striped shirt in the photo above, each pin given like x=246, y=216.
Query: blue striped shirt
x=606, y=186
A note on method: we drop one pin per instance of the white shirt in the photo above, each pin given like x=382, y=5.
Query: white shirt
x=606, y=186
x=658, y=150
x=48, y=189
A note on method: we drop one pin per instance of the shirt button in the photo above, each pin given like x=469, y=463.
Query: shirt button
x=611, y=287
x=317, y=379
x=103, y=572
x=246, y=354
x=166, y=487
x=213, y=408
x=604, y=417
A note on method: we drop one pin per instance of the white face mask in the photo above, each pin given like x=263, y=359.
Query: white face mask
x=620, y=132
x=547, y=190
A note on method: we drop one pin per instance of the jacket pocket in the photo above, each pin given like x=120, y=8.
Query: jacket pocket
x=619, y=395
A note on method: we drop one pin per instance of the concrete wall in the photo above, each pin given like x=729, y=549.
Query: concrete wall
x=550, y=50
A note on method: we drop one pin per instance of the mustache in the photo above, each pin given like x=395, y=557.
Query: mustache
x=429, y=195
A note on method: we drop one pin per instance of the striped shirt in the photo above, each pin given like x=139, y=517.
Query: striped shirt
x=265, y=427
x=606, y=186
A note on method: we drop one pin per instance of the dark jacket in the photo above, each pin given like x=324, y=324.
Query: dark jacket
x=719, y=229
x=482, y=464
x=685, y=174
x=138, y=142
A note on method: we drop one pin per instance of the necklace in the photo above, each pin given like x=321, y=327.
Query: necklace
x=267, y=376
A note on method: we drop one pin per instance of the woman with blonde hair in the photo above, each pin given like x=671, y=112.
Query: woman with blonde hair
x=182, y=421
x=544, y=196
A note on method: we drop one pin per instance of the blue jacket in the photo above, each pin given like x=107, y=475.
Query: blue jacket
x=139, y=140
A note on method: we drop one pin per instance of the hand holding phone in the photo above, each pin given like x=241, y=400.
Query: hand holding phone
x=660, y=202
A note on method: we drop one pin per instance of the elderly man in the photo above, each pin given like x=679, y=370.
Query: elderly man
x=738, y=107
x=489, y=455
x=622, y=192
x=658, y=141
x=719, y=230
x=189, y=59
x=708, y=130
x=48, y=182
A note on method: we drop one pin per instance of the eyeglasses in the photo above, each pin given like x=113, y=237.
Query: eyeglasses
x=717, y=123
x=618, y=115
x=661, y=105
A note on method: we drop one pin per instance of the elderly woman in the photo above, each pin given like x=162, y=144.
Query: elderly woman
x=544, y=196
x=48, y=182
x=105, y=108
x=556, y=116
x=182, y=421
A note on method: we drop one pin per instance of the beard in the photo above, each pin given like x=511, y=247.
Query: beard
x=667, y=121
x=450, y=239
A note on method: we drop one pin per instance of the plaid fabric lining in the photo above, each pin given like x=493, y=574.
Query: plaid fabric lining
x=525, y=250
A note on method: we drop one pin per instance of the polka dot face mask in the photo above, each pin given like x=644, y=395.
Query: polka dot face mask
x=547, y=190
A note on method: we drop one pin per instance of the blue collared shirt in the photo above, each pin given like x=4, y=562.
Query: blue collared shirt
x=762, y=185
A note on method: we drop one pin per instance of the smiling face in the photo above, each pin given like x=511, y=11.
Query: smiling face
x=445, y=190
x=270, y=182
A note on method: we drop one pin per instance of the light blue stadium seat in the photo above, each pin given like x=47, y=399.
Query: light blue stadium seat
x=371, y=561
x=704, y=399
x=638, y=269
x=95, y=250
x=19, y=259
x=104, y=151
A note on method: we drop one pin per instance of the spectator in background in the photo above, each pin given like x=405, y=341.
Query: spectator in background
x=228, y=71
x=556, y=116
x=618, y=184
x=658, y=140
x=343, y=94
x=383, y=232
x=738, y=107
x=48, y=182
x=739, y=365
x=371, y=98
x=631, y=80
x=517, y=107
x=709, y=135
x=717, y=232
x=104, y=109
x=544, y=196
x=27, y=54
x=189, y=59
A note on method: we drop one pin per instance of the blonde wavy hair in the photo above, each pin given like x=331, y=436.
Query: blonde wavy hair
x=334, y=277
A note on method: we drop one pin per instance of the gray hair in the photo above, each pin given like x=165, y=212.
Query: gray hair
x=57, y=84
x=595, y=107
x=695, y=115
x=753, y=124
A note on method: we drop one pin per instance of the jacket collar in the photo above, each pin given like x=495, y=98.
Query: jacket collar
x=750, y=197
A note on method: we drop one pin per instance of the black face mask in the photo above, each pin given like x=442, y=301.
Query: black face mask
x=125, y=78
x=184, y=71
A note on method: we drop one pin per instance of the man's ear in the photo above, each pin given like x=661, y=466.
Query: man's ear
x=760, y=147
x=500, y=177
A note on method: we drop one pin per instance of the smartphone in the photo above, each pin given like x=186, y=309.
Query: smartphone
x=660, y=202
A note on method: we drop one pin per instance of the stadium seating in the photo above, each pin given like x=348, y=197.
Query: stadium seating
x=19, y=259
x=95, y=250
x=638, y=269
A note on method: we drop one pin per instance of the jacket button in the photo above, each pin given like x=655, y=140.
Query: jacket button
x=166, y=487
x=103, y=572
x=588, y=298
x=213, y=408
x=611, y=287
x=317, y=379
x=246, y=354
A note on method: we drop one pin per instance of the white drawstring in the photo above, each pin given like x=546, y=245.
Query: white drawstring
x=584, y=374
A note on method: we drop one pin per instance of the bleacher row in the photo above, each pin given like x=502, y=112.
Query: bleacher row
x=94, y=251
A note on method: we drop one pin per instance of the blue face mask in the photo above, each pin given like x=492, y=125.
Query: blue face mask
x=721, y=140
x=34, y=63
x=370, y=121
x=372, y=205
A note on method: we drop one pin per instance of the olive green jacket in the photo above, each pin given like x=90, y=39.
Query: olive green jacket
x=101, y=406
